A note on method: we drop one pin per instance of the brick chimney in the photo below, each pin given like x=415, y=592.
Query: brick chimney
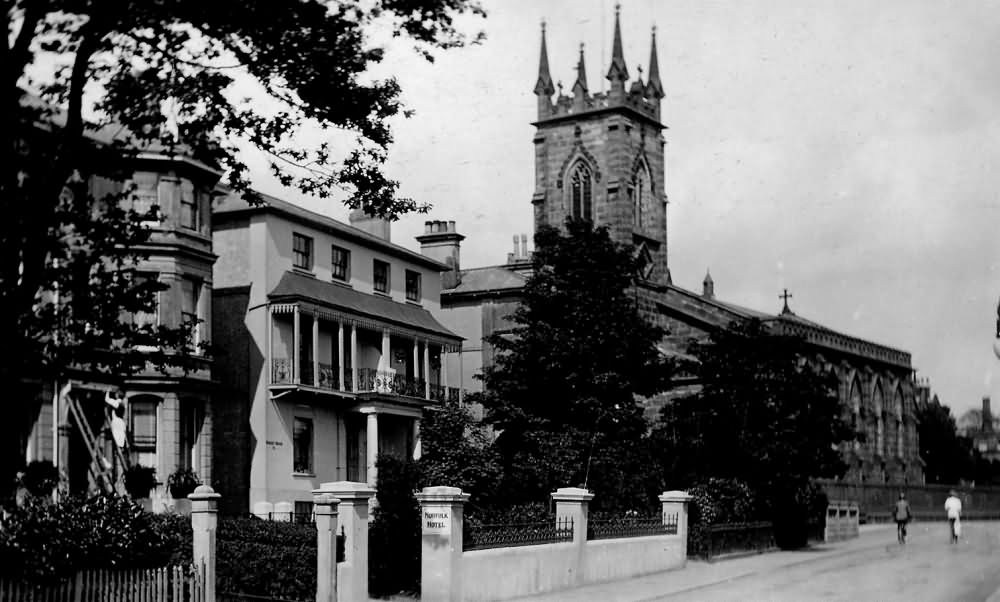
x=442, y=243
x=375, y=226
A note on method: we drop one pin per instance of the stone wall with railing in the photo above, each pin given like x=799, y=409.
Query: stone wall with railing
x=502, y=562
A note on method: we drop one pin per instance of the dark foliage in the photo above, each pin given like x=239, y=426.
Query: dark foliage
x=40, y=478
x=139, y=481
x=165, y=77
x=458, y=452
x=394, y=532
x=765, y=417
x=266, y=558
x=41, y=541
x=948, y=457
x=255, y=557
x=568, y=372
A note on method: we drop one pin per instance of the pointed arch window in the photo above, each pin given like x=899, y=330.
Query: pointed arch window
x=581, y=191
x=900, y=426
x=855, y=404
x=878, y=402
x=642, y=198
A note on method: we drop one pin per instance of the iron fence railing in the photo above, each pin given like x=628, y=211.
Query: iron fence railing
x=329, y=377
x=281, y=371
x=381, y=381
x=480, y=537
x=632, y=526
x=370, y=380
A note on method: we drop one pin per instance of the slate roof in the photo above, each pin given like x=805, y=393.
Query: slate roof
x=491, y=279
x=232, y=206
x=339, y=297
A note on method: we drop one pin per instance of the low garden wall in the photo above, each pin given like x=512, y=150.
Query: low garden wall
x=522, y=560
x=876, y=500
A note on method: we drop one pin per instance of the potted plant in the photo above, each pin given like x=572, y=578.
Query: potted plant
x=40, y=478
x=182, y=483
x=139, y=481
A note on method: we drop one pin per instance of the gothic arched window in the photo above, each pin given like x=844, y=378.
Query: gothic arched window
x=854, y=399
x=900, y=427
x=642, y=197
x=878, y=402
x=581, y=191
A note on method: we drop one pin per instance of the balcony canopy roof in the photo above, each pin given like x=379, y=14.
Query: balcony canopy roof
x=371, y=311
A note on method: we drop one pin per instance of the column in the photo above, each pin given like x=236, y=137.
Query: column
x=269, y=353
x=295, y=355
x=352, y=521
x=340, y=354
x=676, y=502
x=427, y=371
x=444, y=374
x=354, y=357
x=204, y=521
x=572, y=508
x=461, y=377
x=416, y=438
x=441, y=511
x=325, y=505
x=372, y=447
x=416, y=361
x=315, y=341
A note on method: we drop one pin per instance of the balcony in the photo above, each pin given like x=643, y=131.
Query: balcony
x=370, y=380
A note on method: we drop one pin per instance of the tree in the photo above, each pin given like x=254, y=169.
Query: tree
x=564, y=387
x=456, y=451
x=947, y=456
x=89, y=84
x=764, y=417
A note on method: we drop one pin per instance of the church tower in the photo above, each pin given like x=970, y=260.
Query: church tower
x=599, y=156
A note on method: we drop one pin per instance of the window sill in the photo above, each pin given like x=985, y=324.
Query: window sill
x=414, y=303
x=343, y=283
x=382, y=294
x=304, y=475
x=303, y=271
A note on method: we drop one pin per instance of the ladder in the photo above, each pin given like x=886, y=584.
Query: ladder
x=100, y=470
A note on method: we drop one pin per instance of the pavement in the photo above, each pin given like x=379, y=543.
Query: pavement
x=870, y=567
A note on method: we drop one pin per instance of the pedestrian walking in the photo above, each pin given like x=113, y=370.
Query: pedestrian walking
x=902, y=515
x=953, y=506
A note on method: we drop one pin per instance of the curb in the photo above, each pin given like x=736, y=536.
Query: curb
x=833, y=553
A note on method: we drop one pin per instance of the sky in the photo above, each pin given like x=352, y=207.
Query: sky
x=848, y=151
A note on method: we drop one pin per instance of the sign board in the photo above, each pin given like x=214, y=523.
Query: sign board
x=436, y=521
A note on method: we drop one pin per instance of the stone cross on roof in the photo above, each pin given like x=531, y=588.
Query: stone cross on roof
x=785, y=296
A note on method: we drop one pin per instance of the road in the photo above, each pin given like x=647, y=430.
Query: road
x=928, y=568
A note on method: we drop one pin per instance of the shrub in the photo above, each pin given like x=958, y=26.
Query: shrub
x=40, y=478
x=715, y=501
x=41, y=541
x=530, y=512
x=254, y=557
x=266, y=558
x=394, y=533
x=139, y=481
x=182, y=483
